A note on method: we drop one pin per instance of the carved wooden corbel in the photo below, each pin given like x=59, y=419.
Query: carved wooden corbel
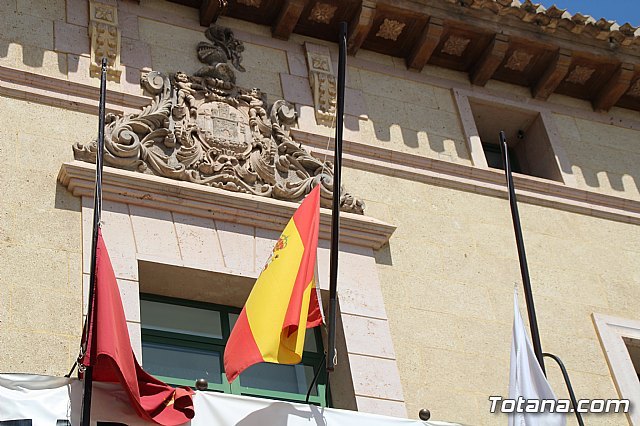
x=105, y=40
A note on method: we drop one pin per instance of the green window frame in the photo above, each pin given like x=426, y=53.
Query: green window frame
x=181, y=340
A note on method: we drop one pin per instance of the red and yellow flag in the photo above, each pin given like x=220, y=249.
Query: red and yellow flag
x=283, y=302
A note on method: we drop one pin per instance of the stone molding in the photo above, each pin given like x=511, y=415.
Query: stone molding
x=82, y=97
x=485, y=181
x=197, y=200
x=105, y=40
x=612, y=331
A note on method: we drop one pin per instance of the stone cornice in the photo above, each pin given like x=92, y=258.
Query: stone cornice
x=198, y=200
x=485, y=181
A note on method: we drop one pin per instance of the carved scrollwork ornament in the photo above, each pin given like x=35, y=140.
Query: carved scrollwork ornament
x=204, y=129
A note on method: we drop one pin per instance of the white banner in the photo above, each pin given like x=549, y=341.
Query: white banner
x=52, y=401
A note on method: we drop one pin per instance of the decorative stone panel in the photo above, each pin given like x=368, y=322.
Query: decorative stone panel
x=105, y=40
x=323, y=83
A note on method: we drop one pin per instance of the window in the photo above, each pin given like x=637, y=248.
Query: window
x=494, y=157
x=620, y=340
x=528, y=141
x=633, y=347
x=183, y=341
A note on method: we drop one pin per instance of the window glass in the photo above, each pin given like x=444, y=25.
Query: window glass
x=232, y=320
x=278, y=377
x=180, y=319
x=182, y=343
x=181, y=362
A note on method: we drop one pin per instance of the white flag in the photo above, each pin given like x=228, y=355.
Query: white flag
x=526, y=379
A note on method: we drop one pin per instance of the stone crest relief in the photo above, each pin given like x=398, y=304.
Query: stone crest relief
x=204, y=129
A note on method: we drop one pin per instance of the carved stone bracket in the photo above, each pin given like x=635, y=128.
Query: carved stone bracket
x=105, y=40
x=323, y=83
x=204, y=129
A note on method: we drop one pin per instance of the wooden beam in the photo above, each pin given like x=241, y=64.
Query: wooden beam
x=360, y=27
x=210, y=10
x=426, y=45
x=289, y=15
x=613, y=89
x=553, y=75
x=490, y=61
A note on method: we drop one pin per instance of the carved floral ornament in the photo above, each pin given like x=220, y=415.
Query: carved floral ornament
x=204, y=129
x=518, y=60
x=455, y=45
x=390, y=29
x=580, y=75
x=322, y=13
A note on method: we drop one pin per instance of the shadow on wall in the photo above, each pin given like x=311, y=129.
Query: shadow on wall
x=603, y=179
x=64, y=200
x=67, y=63
x=33, y=57
x=600, y=156
x=422, y=142
x=383, y=255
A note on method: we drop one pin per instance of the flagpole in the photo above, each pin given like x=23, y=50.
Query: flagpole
x=524, y=270
x=335, y=214
x=97, y=211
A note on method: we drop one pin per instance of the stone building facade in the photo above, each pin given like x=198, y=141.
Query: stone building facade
x=427, y=272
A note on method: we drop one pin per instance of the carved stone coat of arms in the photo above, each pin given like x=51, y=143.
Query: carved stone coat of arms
x=202, y=128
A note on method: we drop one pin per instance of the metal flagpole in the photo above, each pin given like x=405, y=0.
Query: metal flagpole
x=567, y=381
x=335, y=214
x=97, y=211
x=524, y=270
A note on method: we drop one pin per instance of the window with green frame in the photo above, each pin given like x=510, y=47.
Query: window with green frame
x=184, y=340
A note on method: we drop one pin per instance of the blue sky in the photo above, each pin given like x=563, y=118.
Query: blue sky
x=618, y=10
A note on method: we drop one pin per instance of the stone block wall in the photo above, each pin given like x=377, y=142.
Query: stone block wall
x=40, y=239
x=447, y=278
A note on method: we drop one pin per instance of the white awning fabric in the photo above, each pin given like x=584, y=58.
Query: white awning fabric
x=47, y=400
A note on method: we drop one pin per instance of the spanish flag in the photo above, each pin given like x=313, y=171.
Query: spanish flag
x=284, y=301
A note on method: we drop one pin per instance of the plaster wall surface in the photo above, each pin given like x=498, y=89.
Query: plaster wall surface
x=447, y=278
x=40, y=239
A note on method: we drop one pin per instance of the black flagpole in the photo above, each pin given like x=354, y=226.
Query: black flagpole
x=97, y=210
x=335, y=214
x=524, y=270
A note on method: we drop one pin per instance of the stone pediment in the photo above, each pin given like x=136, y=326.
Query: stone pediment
x=204, y=129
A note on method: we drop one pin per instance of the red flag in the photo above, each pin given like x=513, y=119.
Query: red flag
x=113, y=360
